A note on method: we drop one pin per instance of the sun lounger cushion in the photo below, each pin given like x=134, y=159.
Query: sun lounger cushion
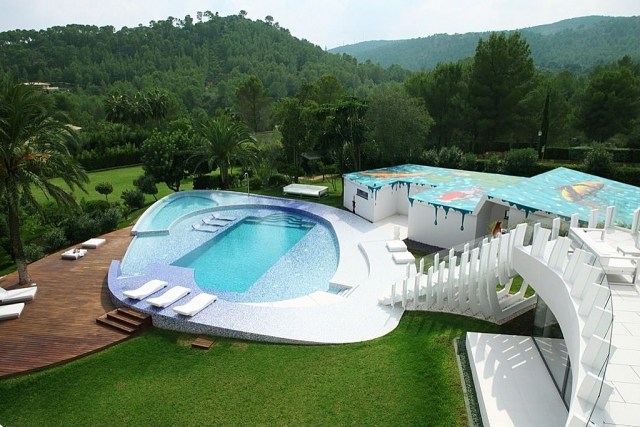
x=403, y=257
x=169, y=297
x=196, y=305
x=74, y=253
x=222, y=217
x=396, y=246
x=145, y=290
x=17, y=295
x=94, y=243
x=11, y=311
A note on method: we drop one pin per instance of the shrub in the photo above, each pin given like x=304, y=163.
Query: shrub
x=277, y=180
x=493, y=164
x=54, y=239
x=147, y=184
x=598, y=161
x=204, y=182
x=450, y=157
x=520, y=162
x=133, y=199
x=109, y=219
x=83, y=227
x=104, y=188
x=429, y=157
x=33, y=252
x=255, y=183
x=92, y=206
x=469, y=162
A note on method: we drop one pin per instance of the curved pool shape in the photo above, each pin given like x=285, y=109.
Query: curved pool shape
x=247, y=254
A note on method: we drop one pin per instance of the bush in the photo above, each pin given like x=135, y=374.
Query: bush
x=493, y=164
x=598, y=161
x=205, y=182
x=429, y=157
x=133, y=199
x=104, y=188
x=33, y=252
x=255, y=183
x=469, y=162
x=521, y=162
x=92, y=206
x=82, y=228
x=450, y=157
x=54, y=239
x=147, y=184
x=278, y=180
x=109, y=219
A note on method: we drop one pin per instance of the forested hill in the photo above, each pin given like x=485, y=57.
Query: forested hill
x=575, y=44
x=200, y=60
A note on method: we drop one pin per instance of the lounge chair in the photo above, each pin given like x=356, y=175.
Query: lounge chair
x=169, y=297
x=145, y=290
x=396, y=246
x=74, y=253
x=17, y=295
x=222, y=217
x=403, y=257
x=94, y=243
x=214, y=222
x=205, y=228
x=11, y=311
x=196, y=305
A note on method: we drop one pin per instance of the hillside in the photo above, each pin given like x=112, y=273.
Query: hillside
x=575, y=44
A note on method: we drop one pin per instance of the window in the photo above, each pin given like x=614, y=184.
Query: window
x=363, y=194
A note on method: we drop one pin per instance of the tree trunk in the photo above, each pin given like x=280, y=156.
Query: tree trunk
x=14, y=238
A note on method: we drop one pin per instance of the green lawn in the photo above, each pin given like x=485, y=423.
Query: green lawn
x=408, y=377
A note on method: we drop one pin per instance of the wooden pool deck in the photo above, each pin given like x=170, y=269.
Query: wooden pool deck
x=59, y=325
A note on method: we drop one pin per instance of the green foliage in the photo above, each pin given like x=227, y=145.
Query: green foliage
x=278, y=180
x=33, y=252
x=54, y=239
x=255, y=183
x=205, y=182
x=501, y=78
x=520, y=162
x=251, y=102
x=147, y=184
x=599, y=161
x=133, y=199
x=165, y=157
x=92, y=206
x=104, y=188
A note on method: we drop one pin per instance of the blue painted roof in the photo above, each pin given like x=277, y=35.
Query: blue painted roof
x=560, y=191
x=451, y=188
x=564, y=192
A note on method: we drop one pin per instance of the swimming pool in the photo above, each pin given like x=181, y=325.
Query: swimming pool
x=254, y=254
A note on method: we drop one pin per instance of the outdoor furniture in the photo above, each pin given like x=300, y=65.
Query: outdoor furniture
x=145, y=290
x=196, y=305
x=222, y=217
x=403, y=257
x=169, y=297
x=17, y=295
x=11, y=311
x=305, y=190
x=94, y=243
x=74, y=254
x=396, y=246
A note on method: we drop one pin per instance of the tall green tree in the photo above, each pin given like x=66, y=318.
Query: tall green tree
x=294, y=120
x=165, y=157
x=224, y=142
x=33, y=149
x=252, y=102
x=502, y=76
x=611, y=101
x=399, y=125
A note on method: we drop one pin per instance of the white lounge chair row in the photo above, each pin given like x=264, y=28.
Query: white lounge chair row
x=12, y=302
x=193, y=307
x=74, y=253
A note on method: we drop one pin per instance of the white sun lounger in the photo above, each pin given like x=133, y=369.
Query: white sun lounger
x=215, y=222
x=403, y=257
x=17, y=295
x=396, y=246
x=11, y=311
x=74, y=253
x=196, y=305
x=145, y=290
x=94, y=243
x=222, y=217
x=169, y=297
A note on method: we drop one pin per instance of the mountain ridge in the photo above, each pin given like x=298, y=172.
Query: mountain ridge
x=577, y=44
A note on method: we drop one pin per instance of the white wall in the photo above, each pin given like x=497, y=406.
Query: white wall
x=446, y=233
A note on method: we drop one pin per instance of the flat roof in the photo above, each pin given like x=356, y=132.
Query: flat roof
x=460, y=190
x=561, y=191
x=564, y=191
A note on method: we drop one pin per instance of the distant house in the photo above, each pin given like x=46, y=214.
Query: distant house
x=45, y=87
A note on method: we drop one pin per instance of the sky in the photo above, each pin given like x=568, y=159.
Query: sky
x=326, y=23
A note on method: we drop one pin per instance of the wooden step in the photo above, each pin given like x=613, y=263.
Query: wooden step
x=105, y=320
x=117, y=316
x=133, y=313
x=203, y=343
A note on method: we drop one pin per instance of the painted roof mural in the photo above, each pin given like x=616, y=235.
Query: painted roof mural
x=460, y=190
x=565, y=191
x=560, y=191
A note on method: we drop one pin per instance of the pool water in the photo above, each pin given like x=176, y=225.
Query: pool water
x=235, y=260
x=265, y=253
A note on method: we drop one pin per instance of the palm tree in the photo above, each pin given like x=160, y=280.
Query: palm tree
x=33, y=149
x=222, y=142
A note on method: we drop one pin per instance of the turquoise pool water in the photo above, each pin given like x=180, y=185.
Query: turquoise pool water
x=235, y=260
x=261, y=253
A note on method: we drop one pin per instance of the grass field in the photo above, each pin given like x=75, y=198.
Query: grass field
x=406, y=378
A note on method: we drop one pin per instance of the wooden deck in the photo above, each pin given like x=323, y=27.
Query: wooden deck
x=60, y=324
